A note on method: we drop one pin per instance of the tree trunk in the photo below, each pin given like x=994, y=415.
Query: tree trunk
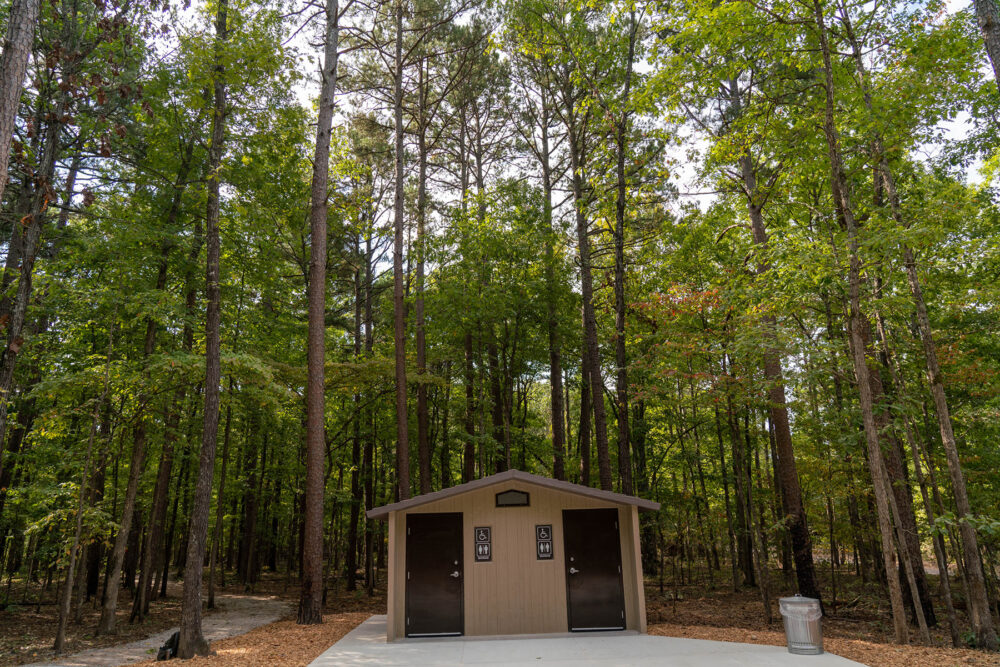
x=988, y=17
x=220, y=503
x=845, y=211
x=74, y=551
x=154, y=535
x=979, y=609
x=13, y=64
x=469, y=454
x=940, y=553
x=759, y=544
x=192, y=642
x=107, y=622
x=311, y=600
x=496, y=400
x=423, y=443
x=251, y=501
x=724, y=474
x=552, y=305
x=584, y=430
x=13, y=313
x=787, y=472
x=621, y=360
x=895, y=460
x=162, y=557
x=590, y=343
x=158, y=507
x=351, y=564
x=902, y=497
x=742, y=527
x=398, y=296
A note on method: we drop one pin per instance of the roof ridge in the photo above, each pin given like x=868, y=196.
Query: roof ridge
x=512, y=474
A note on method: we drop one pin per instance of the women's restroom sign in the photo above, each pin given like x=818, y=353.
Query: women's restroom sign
x=484, y=544
x=543, y=542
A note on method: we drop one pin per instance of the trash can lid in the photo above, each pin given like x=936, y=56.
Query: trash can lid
x=802, y=608
x=799, y=600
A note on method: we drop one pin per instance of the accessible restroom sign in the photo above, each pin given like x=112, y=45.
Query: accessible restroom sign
x=484, y=544
x=543, y=542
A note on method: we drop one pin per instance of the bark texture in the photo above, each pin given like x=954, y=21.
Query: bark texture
x=979, y=605
x=845, y=211
x=621, y=361
x=13, y=64
x=192, y=641
x=398, y=295
x=311, y=600
x=787, y=472
x=988, y=18
x=590, y=344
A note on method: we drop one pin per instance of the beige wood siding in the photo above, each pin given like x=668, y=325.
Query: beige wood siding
x=515, y=593
x=639, y=611
x=396, y=602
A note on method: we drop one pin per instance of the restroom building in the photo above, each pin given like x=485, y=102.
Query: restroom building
x=514, y=553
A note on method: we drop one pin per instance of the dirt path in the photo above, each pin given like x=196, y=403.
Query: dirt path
x=236, y=615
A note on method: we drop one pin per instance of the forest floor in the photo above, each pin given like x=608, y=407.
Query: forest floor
x=27, y=629
x=858, y=627
x=286, y=644
x=28, y=623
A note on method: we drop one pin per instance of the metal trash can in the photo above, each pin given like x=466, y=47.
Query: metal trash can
x=803, y=629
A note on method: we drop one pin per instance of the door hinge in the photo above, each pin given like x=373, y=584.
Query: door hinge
x=407, y=530
x=623, y=614
x=407, y=575
x=619, y=569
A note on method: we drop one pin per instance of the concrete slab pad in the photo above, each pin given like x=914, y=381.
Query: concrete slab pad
x=366, y=645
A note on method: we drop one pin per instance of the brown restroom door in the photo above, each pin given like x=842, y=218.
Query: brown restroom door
x=434, y=575
x=594, y=594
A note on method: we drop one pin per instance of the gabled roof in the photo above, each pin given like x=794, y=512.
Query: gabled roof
x=513, y=476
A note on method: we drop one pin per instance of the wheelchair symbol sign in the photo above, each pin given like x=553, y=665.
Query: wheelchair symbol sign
x=543, y=542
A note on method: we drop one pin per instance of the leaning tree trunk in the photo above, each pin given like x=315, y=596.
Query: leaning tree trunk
x=311, y=600
x=106, y=624
x=979, y=610
x=192, y=642
x=13, y=313
x=895, y=465
x=979, y=606
x=845, y=210
x=14, y=62
x=791, y=492
x=158, y=508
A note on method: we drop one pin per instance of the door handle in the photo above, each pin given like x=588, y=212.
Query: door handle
x=573, y=570
x=456, y=574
